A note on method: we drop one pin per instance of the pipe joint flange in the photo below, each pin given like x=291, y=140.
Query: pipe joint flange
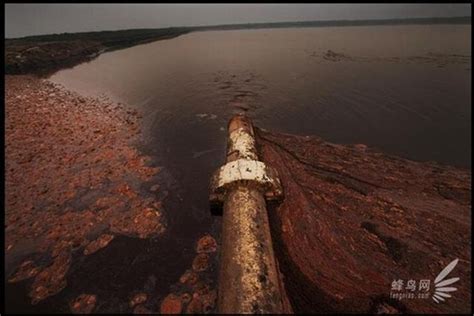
x=252, y=173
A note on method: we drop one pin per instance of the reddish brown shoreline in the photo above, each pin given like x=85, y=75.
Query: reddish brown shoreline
x=74, y=181
x=67, y=163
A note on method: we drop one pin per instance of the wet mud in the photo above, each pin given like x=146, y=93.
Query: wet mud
x=355, y=219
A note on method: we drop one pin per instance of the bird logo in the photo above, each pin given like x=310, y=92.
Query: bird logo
x=441, y=285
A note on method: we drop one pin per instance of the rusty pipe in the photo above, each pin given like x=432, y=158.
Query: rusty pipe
x=248, y=279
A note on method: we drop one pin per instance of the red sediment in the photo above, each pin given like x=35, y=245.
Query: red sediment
x=206, y=244
x=69, y=165
x=83, y=304
x=354, y=220
x=51, y=280
x=201, y=262
x=195, y=290
x=189, y=277
x=171, y=305
x=26, y=270
x=98, y=244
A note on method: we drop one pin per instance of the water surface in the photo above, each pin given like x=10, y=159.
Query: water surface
x=403, y=89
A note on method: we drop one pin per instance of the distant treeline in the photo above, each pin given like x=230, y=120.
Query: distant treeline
x=408, y=21
x=108, y=38
x=45, y=54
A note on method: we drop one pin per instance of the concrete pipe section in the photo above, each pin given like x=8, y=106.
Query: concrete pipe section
x=248, y=279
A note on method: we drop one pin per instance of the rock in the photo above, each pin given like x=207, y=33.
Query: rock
x=138, y=299
x=171, y=305
x=83, y=304
x=201, y=262
x=206, y=244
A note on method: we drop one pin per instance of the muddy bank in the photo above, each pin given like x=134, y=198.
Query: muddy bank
x=45, y=54
x=354, y=220
x=85, y=223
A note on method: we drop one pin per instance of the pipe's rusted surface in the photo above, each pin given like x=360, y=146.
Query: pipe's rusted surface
x=248, y=279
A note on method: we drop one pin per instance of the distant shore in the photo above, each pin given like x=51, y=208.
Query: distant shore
x=45, y=54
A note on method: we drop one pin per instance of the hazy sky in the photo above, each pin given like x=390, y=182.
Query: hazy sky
x=34, y=19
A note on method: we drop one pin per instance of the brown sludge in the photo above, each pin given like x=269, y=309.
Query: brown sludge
x=206, y=244
x=73, y=180
x=83, y=304
x=195, y=292
x=98, y=244
x=171, y=305
x=353, y=220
